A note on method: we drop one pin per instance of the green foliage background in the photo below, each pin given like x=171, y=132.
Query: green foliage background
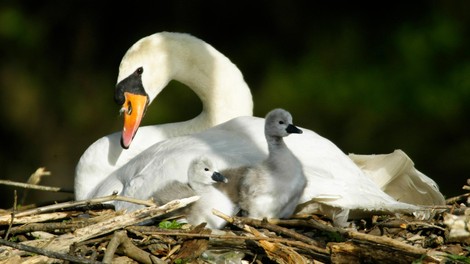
x=370, y=78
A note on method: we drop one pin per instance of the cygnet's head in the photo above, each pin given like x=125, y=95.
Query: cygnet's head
x=279, y=124
x=203, y=172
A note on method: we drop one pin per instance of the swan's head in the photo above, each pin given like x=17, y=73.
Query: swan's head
x=152, y=62
x=143, y=73
x=202, y=172
x=279, y=124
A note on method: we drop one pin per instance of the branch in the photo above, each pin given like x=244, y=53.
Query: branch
x=120, y=240
x=47, y=253
x=275, y=251
x=63, y=242
x=77, y=203
x=35, y=187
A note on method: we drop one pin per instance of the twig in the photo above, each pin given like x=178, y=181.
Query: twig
x=390, y=242
x=361, y=237
x=121, y=240
x=275, y=251
x=47, y=253
x=34, y=179
x=10, y=225
x=455, y=199
x=223, y=237
x=35, y=187
x=35, y=218
x=193, y=248
x=238, y=221
x=278, y=229
x=50, y=226
x=79, y=203
x=63, y=242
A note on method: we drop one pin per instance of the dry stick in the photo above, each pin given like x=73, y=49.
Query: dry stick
x=233, y=220
x=193, y=248
x=49, y=227
x=370, y=238
x=36, y=218
x=35, y=187
x=390, y=242
x=46, y=253
x=275, y=251
x=34, y=179
x=83, y=202
x=278, y=229
x=12, y=215
x=121, y=240
x=455, y=199
x=63, y=242
x=227, y=237
x=365, y=237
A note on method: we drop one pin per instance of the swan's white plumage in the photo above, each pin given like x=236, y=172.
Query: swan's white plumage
x=334, y=180
x=168, y=56
x=396, y=172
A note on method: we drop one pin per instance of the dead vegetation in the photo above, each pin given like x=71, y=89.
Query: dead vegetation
x=92, y=232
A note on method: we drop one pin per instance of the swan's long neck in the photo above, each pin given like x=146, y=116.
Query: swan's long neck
x=215, y=79
x=167, y=56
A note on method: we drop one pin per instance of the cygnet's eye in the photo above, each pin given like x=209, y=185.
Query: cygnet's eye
x=281, y=122
x=206, y=169
x=140, y=70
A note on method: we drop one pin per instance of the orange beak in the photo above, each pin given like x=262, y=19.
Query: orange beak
x=133, y=109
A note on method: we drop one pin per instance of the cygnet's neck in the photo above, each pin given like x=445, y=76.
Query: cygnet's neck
x=276, y=145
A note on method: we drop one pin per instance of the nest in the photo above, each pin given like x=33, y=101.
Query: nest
x=91, y=232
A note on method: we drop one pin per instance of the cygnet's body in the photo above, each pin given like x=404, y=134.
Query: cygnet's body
x=202, y=175
x=273, y=188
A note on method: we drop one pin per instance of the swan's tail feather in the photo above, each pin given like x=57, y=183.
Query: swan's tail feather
x=396, y=175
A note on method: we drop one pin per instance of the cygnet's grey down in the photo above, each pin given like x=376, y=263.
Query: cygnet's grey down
x=273, y=188
x=202, y=175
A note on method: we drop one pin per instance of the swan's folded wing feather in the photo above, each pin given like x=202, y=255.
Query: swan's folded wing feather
x=396, y=175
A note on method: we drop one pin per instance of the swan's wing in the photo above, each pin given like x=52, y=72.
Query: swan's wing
x=336, y=186
x=396, y=175
x=172, y=191
x=241, y=142
x=106, y=155
x=226, y=146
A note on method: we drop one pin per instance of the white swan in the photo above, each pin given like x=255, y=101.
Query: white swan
x=146, y=69
x=163, y=57
x=273, y=188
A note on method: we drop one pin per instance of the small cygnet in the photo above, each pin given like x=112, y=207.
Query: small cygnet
x=202, y=175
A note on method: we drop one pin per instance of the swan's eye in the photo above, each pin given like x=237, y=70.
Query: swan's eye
x=206, y=169
x=281, y=122
x=140, y=70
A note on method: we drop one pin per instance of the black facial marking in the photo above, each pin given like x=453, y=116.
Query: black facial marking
x=132, y=84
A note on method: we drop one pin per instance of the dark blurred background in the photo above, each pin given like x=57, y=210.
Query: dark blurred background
x=371, y=78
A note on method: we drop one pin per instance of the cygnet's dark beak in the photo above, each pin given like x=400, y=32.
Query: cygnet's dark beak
x=219, y=177
x=293, y=129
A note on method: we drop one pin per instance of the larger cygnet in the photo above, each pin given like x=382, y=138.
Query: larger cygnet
x=273, y=188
